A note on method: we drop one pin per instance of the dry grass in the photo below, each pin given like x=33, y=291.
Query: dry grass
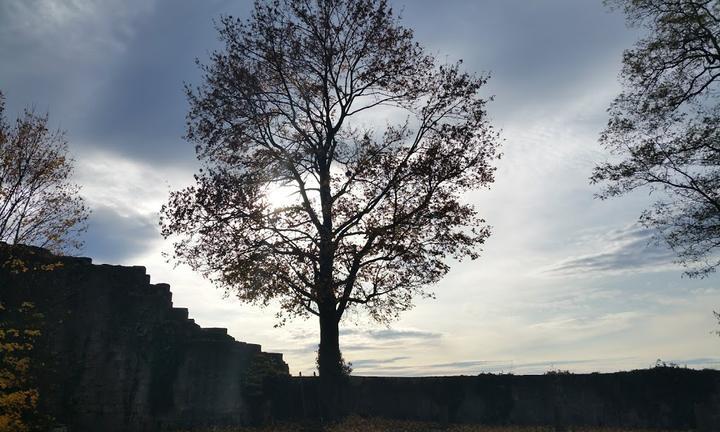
x=359, y=424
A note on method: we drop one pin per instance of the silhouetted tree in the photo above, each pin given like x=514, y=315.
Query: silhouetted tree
x=664, y=125
x=38, y=203
x=294, y=105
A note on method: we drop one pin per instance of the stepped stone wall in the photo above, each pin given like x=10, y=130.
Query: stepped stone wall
x=117, y=356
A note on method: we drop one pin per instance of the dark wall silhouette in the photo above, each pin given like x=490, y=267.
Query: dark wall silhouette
x=660, y=398
x=118, y=357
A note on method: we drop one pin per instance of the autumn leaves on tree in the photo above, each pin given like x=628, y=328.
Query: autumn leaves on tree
x=39, y=205
x=372, y=142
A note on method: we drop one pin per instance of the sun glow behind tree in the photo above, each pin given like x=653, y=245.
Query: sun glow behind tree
x=375, y=210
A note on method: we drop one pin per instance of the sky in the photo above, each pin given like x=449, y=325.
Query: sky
x=565, y=282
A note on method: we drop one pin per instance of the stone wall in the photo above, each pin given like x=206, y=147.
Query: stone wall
x=117, y=356
x=661, y=398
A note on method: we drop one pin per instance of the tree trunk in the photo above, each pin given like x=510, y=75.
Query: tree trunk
x=329, y=363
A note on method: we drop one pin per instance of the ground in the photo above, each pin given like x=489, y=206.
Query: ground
x=358, y=424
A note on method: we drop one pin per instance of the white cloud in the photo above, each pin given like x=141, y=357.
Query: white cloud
x=111, y=179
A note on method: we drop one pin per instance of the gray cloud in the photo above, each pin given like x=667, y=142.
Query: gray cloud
x=361, y=342
x=630, y=249
x=111, y=72
x=372, y=363
x=474, y=367
x=392, y=334
x=709, y=362
x=113, y=237
x=539, y=53
x=117, y=68
x=62, y=52
x=141, y=110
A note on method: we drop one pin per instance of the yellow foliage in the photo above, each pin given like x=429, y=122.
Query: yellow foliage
x=16, y=265
x=18, y=395
x=12, y=424
x=51, y=267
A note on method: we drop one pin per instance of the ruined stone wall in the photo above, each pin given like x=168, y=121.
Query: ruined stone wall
x=117, y=356
x=660, y=399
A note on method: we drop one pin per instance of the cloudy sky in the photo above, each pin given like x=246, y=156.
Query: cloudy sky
x=565, y=282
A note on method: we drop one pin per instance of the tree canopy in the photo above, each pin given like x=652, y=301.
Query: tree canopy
x=372, y=141
x=39, y=205
x=664, y=127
